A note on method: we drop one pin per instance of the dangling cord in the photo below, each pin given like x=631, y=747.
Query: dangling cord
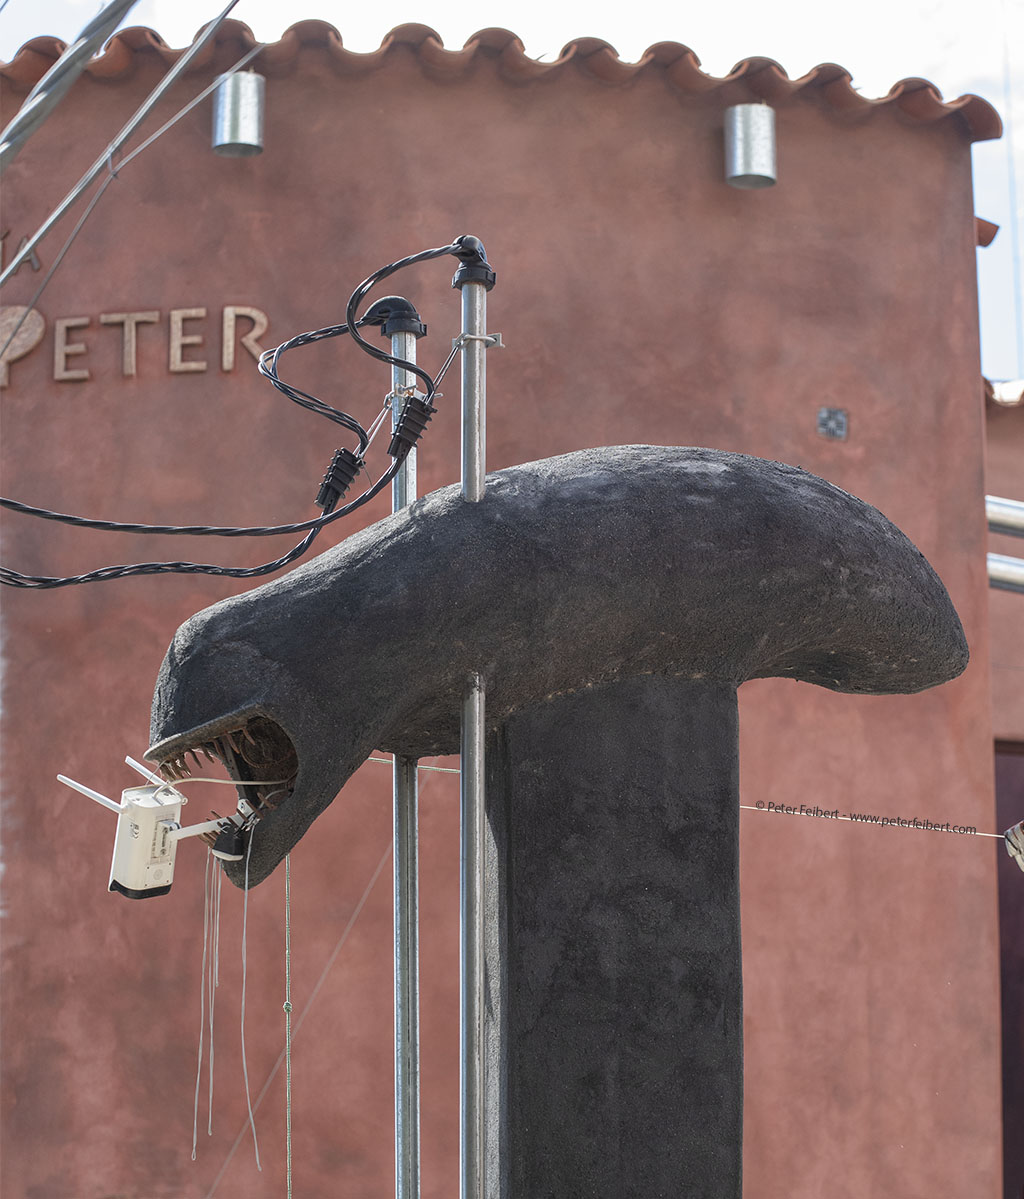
x=202, y=1002
x=288, y=1018
x=214, y=981
x=245, y=1068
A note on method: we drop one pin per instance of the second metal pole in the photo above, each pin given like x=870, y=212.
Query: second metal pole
x=406, y=863
x=474, y=390
x=472, y=1156
x=471, y=863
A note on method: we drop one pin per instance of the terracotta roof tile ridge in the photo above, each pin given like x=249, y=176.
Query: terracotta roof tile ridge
x=751, y=79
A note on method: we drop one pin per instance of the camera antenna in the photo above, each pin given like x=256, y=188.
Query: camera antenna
x=90, y=793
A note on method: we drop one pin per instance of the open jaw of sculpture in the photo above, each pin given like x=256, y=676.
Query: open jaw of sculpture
x=586, y=569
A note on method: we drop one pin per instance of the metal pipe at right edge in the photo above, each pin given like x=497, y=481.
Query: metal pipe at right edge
x=471, y=857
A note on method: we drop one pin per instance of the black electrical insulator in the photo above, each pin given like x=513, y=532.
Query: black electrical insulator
x=343, y=469
x=394, y=314
x=411, y=424
x=475, y=267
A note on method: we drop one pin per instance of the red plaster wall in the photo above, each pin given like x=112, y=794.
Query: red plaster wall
x=641, y=300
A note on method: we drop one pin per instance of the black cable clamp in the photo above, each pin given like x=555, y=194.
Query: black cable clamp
x=475, y=267
x=394, y=314
x=343, y=469
x=411, y=424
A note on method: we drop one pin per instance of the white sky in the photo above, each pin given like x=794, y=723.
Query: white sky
x=976, y=47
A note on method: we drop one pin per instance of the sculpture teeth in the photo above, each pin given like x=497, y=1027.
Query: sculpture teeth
x=235, y=744
x=175, y=768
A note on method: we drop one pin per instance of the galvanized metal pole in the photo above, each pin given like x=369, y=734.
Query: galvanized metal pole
x=471, y=862
x=475, y=279
x=406, y=864
x=474, y=390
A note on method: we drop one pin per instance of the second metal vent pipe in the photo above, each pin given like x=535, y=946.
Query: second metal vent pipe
x=403, y=326
x=475, y=278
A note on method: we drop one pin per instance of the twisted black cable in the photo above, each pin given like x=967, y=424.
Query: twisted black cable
x=268, y=367
x=269, y=371
x=13, y=578
x=362, y=291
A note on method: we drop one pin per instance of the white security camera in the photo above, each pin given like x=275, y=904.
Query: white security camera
x=149, y=829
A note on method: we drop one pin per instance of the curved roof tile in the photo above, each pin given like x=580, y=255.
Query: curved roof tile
x=761, y=78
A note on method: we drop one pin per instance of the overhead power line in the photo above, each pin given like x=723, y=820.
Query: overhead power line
x=112, y=174
x=103, y=162
x=50, y=90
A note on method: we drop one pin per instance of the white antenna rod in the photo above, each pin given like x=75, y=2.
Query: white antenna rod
x=90, y=793
x=147, y=773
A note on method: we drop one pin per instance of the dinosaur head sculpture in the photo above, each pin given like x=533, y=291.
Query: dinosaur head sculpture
x=577, y=570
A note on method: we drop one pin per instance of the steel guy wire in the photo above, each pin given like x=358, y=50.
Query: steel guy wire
x=245, y=1066
x=202, y=1001
x=134, y=121
x=53, y=86
x=870, y=824
x=439, y=769
x=268, y=367
x=27, y=308
x=746, y=807
x=345, y=933
x=112, y=173
x=214, y=984
x=242, y=62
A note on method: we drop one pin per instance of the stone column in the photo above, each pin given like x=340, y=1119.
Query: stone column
x=614, y=1044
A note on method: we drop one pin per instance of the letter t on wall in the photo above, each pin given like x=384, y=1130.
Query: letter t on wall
x=129, y=321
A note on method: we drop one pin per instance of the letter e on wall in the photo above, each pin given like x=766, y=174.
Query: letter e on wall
x=179, y=339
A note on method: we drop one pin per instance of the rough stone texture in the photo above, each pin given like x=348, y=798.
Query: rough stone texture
x=581, y=569
x=614, y=815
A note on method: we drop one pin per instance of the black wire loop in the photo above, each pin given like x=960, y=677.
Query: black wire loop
x=267, y=366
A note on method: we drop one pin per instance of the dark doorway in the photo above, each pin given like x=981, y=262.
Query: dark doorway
x=1010, y=810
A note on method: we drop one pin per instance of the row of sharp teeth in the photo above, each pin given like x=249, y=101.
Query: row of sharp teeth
x=214, y=751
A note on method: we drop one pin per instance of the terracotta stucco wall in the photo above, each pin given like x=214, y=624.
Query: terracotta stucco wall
x=641, y=300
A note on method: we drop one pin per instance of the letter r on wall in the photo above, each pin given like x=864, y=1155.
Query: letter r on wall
x=250, y=340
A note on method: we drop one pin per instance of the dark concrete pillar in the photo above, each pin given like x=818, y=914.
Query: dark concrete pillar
x=614, y=1049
